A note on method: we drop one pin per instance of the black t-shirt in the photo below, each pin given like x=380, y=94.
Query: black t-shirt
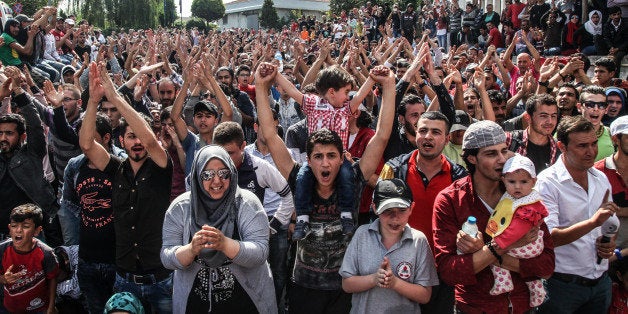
x=80, y=50
x=540, y=155
x=97, y=234
x=11, y=196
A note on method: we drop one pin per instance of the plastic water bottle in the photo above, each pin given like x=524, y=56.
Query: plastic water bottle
x=470, y=227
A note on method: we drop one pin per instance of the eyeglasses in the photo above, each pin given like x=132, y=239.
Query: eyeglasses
x=209, y=175
x=114, y=109
x=66, y=99
x=599, y=104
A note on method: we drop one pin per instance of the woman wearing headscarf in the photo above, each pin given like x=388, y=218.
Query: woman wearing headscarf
x=570, y=41
x=590, y=32
x=215, y=237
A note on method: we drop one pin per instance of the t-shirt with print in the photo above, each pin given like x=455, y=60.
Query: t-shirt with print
x=8, y=55
x=322, y=115
x=319, y=255
x=29, y=293
x=97, y=242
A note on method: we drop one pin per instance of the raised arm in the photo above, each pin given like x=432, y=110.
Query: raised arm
x=97, y=154
x=375, y=148
x=133, y=118
x=263, y=77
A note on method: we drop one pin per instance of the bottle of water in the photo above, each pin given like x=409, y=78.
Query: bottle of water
x=470, y=227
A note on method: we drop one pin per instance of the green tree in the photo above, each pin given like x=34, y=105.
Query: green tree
x=337, y=6
x=209, y=10
x=29, y=7
x=268, y=16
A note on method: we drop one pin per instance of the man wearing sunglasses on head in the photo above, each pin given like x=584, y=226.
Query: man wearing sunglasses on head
x=593, y=106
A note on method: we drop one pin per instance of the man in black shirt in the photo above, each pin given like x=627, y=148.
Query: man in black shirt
x=536, y=141
x=140, y=197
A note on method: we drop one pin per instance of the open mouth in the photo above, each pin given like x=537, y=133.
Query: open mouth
x=326, y=174
x=594, y=117
x=427, y=145
x=137, y=149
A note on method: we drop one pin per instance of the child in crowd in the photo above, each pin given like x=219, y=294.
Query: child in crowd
x=399, y=272
x=29, y=266
x=619, y=302
x=331, y=110
x=518, y=211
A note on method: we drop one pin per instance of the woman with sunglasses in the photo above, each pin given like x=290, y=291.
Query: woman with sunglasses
x=215, y=237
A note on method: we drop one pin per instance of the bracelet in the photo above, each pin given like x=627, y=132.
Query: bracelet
x=618, y=254
x=494, y=252
x=544, y=83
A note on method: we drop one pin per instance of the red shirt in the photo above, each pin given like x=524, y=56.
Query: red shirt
x=620, y=190
x=451, y=209
x=619, y=302
x=357, y=150
x=424, y=192
x=249, y=90
x=513, y=13
x=496, y=38
x=58, y=35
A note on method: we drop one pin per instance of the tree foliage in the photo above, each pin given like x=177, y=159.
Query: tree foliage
x=123, y=13
x=268, y=16
x=29, y=7
x=209, y=10
x=337, y=6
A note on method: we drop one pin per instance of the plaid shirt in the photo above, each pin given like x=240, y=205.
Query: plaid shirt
x=322, y=115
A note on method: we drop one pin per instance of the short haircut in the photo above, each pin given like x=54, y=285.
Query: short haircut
x=495, y=95
x=168, y=80
x=228, y=69
x=26, y=211
x=573, y=124
x=103, y=124
x=533, y=103
x=593, y=90
x=165, y=114
x=228, y=132
x=572, y=86
x=76, y=92
x=606, y=62
x=409, y=99
x=124, y=125
x=364, y=119
x=243, y=67
x=436, y=116
x=323, y=137
x=333, y=77
x=14, y=118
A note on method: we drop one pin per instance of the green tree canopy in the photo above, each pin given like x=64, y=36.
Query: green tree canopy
x=268, y=16
x=209, y=10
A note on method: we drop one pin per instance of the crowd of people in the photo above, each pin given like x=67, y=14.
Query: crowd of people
x=417, y=160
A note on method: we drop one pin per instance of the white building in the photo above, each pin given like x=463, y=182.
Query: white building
x=245, y=13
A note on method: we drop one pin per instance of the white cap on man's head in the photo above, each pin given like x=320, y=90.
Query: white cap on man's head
x=619, y=126
x=518, y=162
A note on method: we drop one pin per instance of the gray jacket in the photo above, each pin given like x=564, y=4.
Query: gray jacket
x=249, y=266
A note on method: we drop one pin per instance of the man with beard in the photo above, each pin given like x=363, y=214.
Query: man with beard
x=499, y=105
x=243, y=102
x=21, y=170
x=536, y=141
x=615, y=167
x=403, y=140
x=140, y=197
x=427, y=171
x=567, y=97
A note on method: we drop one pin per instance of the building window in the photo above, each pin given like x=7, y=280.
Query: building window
x=225, y=19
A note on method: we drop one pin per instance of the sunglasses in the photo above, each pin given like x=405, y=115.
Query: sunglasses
x=599, y=104
x=209, y=175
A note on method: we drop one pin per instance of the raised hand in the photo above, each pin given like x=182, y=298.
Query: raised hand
x=96, y=89
x=54, y=97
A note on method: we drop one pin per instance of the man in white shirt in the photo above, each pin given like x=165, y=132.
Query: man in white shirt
x=577, y=197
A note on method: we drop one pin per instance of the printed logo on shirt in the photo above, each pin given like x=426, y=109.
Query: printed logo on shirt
x=251, y=186
x=404, y=270
x=35, y=303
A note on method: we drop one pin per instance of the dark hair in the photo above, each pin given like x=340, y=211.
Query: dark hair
x=8, y=24
x=409, y=99
x=103, y=124
x=533, y=103
x=124, y=125
x=572, y=86
x=465, y=156
x=364, y=119
x=27, y=211
x=165, y=113
x=593, y=90
x=573, y=124
x=228, y=69
x=228, y=132
x=243, y=67
x=14, y=118
x=323, y=137
x=309, y=89
x=436, y=116
x=495, y=96
x=606, y=62
x=333, y=77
